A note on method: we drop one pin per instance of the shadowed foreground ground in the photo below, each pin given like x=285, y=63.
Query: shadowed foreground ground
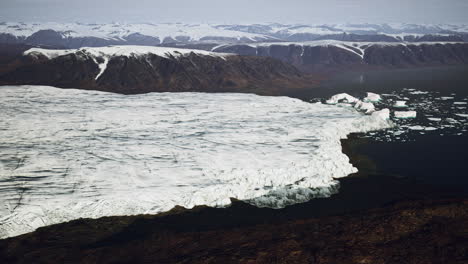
x=405, y=232
x=413, y=223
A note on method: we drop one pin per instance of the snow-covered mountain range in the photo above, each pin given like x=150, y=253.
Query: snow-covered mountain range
x=75, y=35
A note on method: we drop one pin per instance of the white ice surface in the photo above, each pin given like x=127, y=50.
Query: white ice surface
x=364, y=106
x=405, y=114
x=382, y=114
x=421, y=128
x=400, y=104
x=372, y=97
x=342, y=97
x=68, y=154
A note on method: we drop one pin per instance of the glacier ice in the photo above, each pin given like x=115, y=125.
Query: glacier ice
x=69, y=154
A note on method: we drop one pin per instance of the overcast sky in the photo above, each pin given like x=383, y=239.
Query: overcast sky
x=236, y=11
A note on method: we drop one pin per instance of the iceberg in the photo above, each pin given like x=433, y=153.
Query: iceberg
x=372, y=97
x=342, y=97
x=400, y=104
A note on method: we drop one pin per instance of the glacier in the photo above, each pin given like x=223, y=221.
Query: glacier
x=69, y=154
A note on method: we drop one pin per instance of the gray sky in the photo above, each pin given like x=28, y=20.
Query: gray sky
x=236, y=11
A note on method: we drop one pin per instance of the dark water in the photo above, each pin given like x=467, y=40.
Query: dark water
x=445, y=80
x=427, y=163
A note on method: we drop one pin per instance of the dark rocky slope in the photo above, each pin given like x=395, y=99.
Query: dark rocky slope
x=316, y=56
x=268, y=69
x=154, y=73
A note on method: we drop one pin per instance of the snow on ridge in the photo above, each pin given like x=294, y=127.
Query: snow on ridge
x=119, y=31
x=354, y=44
x=111, y=51
x=126, y=50
x=196, y=32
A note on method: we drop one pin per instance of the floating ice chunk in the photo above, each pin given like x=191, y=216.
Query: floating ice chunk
x=435, y=119
x=366, y=107
x=418, y=92
x=342, y=97
x=462, y=115
x=416, y=127
x=446, y=98
x=405, y=114
x=400, y=104
x=372, y=97
x=460, y=103
x=422, y=128
x=382, y=114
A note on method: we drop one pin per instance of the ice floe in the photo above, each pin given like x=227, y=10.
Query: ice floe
x=400, y=104
x=405, y=114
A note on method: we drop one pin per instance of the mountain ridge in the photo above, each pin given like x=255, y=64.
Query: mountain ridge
x=77, y=35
